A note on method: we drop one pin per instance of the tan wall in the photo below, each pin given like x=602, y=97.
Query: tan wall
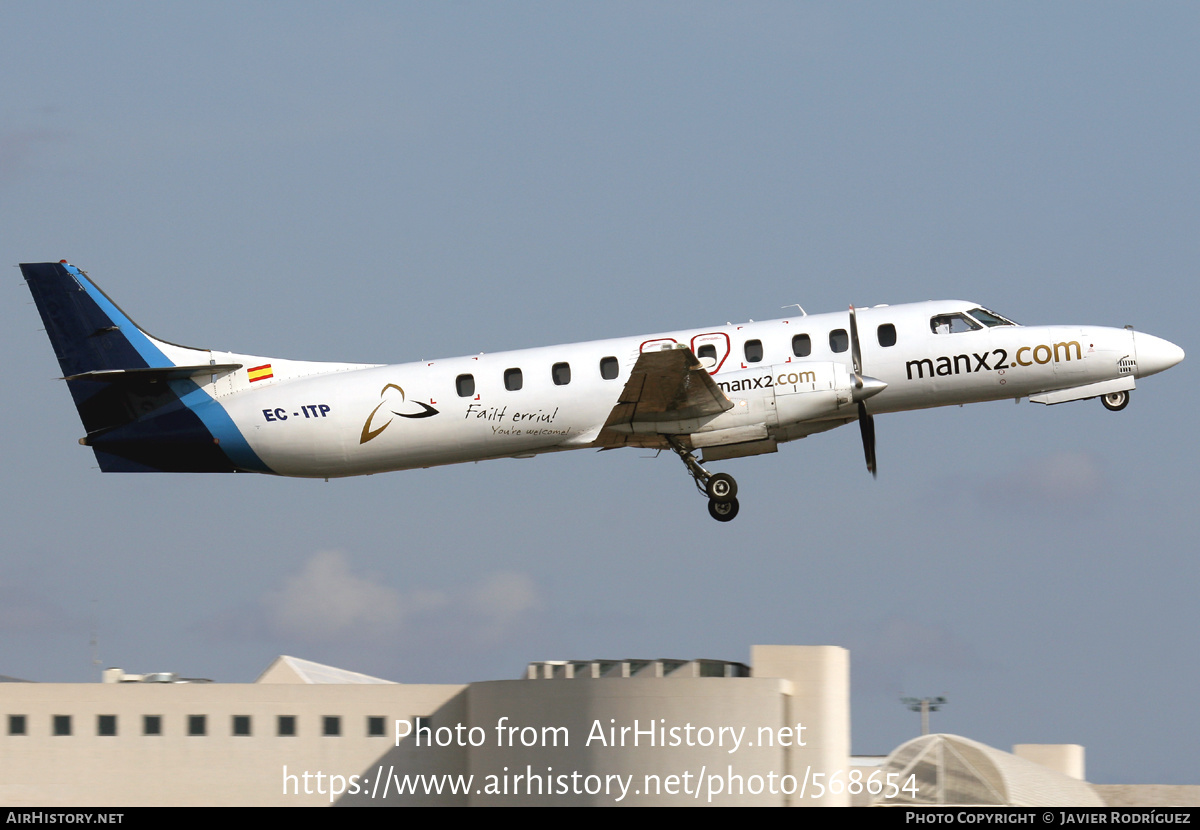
x=41, y=769
x=1065, y=758
x=820, y=697
x=1149, y=795
x=616, y=765
x=811, y=688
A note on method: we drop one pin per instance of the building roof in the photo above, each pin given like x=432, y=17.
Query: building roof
x=951, y=769
x=285, y=669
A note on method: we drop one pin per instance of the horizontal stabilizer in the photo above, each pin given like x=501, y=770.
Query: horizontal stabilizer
x=151, y=374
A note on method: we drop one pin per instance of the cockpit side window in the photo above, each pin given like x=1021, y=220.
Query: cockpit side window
x=990, y=319
x=952, y=324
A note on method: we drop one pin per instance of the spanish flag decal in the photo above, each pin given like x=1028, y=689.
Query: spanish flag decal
x=260, y=372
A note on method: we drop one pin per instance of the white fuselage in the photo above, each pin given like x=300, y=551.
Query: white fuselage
x=313, y=419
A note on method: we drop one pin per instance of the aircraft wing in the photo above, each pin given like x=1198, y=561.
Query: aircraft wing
x=667, y=385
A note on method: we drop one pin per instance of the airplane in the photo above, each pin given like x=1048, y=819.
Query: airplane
x=729, y=391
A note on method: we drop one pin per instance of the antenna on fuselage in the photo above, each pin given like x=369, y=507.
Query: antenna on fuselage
x=797, y=305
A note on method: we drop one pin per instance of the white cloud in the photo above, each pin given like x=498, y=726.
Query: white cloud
x=1062, y=481
x=24, y=611
x=1071, y=477
x=501, y=601
x=897, y=655
x=327, y=601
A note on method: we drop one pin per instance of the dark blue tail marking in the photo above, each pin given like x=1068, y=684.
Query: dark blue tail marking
x=136, y=422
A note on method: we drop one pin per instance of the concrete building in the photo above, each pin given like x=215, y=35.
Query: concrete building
x=598, y=732
x=621, y=732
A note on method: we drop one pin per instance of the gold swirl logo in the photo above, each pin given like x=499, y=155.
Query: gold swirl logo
x=424, y=411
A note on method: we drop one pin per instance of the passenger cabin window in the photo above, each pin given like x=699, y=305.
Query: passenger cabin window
x=197, y=725
x=561, y=372
x=465, y=384
x=887, y=335
x=839, y=341
x=513, y=380
x=106, y=725
x=609, y=368
x=801, y=345
x=753, y=351
x=707, y=352
x=952, y=324
x=151, y=724
x=241, y=725
x=286, y=726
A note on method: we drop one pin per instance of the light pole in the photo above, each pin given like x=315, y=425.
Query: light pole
x=924, y=705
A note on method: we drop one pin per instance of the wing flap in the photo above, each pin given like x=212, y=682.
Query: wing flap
x=664, y=386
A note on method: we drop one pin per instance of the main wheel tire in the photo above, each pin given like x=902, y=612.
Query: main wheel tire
x=721, y=487
x=1115, y=401
x=723, y=511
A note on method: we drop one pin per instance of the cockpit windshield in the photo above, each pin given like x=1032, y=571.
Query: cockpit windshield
x=952, y=324
x=990, y=319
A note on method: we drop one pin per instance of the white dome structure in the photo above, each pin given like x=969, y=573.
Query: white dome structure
x=950, y=769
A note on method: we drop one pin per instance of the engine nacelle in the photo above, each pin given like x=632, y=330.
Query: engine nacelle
x=811, y=391
x=768, y=397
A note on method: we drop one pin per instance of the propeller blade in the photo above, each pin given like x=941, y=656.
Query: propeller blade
x=866, y=425
x=855, y=351
x=866, y=422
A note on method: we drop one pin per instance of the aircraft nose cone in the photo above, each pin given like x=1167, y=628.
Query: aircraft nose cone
x=1154, y=354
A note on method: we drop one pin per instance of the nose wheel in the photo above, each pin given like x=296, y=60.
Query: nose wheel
x=1115, y=401
x=720, y=488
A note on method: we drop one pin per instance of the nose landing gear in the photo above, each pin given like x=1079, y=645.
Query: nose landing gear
x=1115, y=401
x=720, y=488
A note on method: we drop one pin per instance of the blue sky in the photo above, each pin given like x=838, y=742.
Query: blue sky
x=385, y=182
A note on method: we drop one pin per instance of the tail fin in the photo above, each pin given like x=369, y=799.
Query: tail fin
x=135, y=394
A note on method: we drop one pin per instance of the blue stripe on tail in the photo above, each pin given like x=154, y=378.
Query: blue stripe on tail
x=135, y=423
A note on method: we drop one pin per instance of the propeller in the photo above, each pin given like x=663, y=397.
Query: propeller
x=864, y=387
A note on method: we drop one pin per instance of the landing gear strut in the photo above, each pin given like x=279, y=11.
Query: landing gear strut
x=719, y=488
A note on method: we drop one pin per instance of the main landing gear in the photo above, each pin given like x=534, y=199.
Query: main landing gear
x=720, y=488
